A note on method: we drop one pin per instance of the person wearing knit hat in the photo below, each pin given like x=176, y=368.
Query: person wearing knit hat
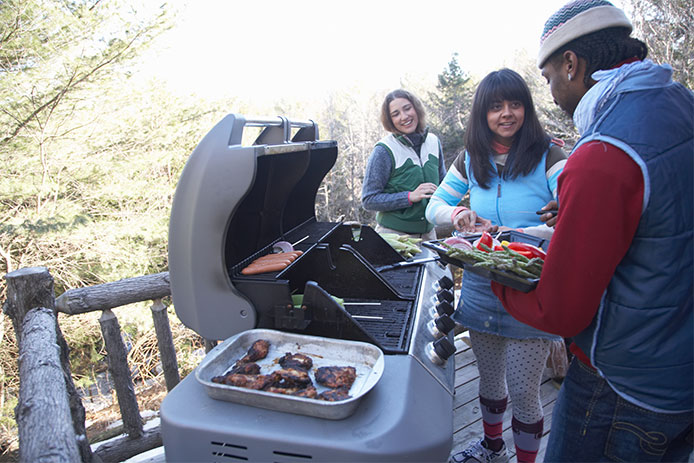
x=576, y=19
x=618, y=274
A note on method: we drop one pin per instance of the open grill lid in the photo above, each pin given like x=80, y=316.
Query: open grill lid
x=283, y=193
x=232, y=201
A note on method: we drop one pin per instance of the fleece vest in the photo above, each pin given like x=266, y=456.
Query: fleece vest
x=510, y=202
x=409, y=171
x=641, y=337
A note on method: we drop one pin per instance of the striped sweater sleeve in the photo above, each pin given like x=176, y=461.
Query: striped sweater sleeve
x=446, y=198
x=554, y=165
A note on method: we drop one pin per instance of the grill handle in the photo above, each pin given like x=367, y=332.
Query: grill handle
x=277, y=130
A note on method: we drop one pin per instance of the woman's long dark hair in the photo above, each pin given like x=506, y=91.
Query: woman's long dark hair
x=530, y=141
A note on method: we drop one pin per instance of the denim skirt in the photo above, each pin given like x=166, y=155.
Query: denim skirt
x=480, y=310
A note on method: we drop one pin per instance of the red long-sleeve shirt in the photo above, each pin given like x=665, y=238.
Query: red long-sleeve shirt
x=600, y=201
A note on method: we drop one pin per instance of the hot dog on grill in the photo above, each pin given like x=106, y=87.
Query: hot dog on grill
x=271, y=263
x=255, y=269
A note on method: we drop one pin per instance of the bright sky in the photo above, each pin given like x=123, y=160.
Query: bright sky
x=267, y=50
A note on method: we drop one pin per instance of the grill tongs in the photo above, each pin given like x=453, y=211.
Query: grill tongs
x=407, y=263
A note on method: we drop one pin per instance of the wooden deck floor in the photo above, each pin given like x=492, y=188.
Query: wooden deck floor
x=467, y=418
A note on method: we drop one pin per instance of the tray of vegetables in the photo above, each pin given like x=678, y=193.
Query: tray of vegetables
x=511, y=258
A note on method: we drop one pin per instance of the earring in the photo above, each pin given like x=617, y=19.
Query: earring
x=569, y=75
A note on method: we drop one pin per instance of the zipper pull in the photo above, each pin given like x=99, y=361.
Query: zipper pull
x=498, y=190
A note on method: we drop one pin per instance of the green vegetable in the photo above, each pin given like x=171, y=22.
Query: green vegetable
x=506, y=260
x=405, y=245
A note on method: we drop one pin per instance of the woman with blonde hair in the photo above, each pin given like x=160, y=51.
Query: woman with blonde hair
x=404, y=168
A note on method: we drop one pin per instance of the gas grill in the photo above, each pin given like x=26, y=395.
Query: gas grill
x=233, y=204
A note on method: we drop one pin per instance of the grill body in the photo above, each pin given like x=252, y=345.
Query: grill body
x=232, y=204
x=406, y=417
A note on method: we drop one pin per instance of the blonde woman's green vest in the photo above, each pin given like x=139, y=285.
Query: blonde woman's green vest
x=409, y=171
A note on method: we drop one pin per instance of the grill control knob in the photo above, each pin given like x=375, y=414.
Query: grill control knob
x=443, y=283
x=440, y=350
x=440, y=326
x=445, y=308
x=445, y=295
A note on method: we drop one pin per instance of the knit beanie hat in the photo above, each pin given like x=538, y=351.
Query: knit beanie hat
x=576, y=19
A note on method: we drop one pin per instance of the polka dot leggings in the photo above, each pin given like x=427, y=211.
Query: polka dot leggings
x=516, y=362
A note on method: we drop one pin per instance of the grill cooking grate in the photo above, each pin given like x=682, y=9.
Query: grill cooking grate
x=387, y=322
x=404, y=280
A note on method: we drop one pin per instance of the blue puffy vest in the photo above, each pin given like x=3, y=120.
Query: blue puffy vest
x=641, y=337
x=510, y=202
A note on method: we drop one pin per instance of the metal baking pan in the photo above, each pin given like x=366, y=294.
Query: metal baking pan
x=509, y=279
x=366, y=358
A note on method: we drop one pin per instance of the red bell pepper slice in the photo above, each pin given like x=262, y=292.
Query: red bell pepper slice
x=485, y=239
x=528, y=250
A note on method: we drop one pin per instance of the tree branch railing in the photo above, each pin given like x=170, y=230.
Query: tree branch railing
x=43, y=359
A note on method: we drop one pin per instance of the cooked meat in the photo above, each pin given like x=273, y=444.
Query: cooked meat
x=256, y=382
x=245, y=369
x=290, y=378
x=218, y=379
x=335, y=395
x=335, y=377
x=256, y=352
x=309, y=391
x=296, y=361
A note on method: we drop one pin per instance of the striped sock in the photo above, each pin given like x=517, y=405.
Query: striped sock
x=527, y=438
x=492, y=421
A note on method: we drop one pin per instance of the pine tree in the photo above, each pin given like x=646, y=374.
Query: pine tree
x=449, y=107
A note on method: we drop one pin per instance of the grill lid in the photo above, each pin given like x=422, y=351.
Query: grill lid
x=230, y=202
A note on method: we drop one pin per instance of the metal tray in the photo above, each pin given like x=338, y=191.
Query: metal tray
x=509, y=279
x=366, y=358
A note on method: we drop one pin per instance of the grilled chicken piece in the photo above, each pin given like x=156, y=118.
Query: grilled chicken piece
x=257, y=382
x=335, y=377
x=296, y=361
x=257, y=351
x=308, y=391
x=335, y=395
x=291, y=378
x=245, y=369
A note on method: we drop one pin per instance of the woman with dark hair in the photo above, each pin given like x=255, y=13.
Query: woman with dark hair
x=404, y=168
x=510, y=167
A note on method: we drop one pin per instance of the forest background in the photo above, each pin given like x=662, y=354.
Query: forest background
x=91, y=155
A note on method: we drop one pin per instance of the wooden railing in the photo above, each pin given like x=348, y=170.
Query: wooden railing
x=50, y=415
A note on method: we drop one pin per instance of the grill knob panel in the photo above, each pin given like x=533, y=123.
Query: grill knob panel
x=444, y=295
x=444, y=323
x=445, y=308
x=441, y=326
x=444, y=283
x=440, y=350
